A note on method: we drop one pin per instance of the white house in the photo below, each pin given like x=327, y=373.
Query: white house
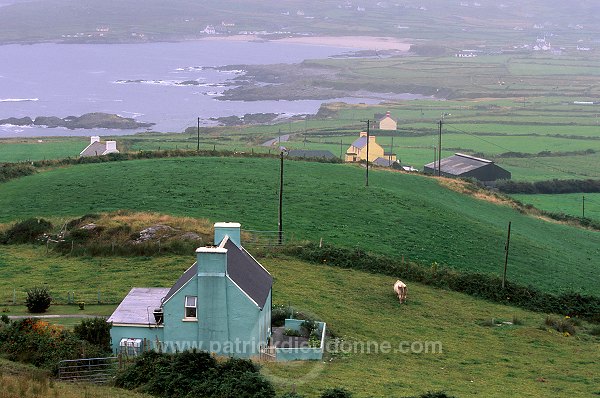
x=98, y=148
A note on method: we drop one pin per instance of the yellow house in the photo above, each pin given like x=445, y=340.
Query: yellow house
x=358, y=150
x=387, y=122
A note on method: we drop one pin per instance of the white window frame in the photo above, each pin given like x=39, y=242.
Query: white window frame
x=189, y=305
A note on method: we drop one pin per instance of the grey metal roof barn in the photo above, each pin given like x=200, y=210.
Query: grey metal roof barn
x=461, y=165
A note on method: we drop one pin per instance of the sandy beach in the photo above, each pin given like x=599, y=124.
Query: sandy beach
x=353, y=42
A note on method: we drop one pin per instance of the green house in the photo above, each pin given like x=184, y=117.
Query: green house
x=221, y=304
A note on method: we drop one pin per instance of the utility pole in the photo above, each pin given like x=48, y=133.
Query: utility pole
x=434, y=159
x=440, y=151
x=583, y=206
x=280, y=222
x=198, y=146
x=506, y=256
x=368, y=139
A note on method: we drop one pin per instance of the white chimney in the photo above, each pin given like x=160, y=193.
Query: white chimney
x=111, y=146
x=94, y=139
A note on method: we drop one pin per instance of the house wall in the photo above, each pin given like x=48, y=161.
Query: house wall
x=151, y=334
x=387, y=123
x=375, y=151
x=179, y=333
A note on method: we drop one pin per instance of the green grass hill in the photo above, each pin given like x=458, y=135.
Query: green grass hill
x=398, y=214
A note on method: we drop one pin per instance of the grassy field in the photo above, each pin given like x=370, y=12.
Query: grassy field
x=398, y=214
x=569, y=203
x=22, y=381
x=523, y=360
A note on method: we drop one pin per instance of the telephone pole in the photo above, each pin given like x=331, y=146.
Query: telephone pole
x=368, y=139
x=198, y=146
x=506, y=256
x=440, y=151
x=280, y=222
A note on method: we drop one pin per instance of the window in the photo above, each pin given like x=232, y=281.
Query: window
x=190, y=306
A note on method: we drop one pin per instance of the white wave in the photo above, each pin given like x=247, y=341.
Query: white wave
x=18, y=99
x=132, y=115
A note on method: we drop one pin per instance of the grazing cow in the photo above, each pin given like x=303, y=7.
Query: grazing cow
x=401, y=290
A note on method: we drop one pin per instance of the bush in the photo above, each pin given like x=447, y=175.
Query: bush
x=38, y=300
x=279, y=313
x=27, y=231
x=95, y=331
x=194, y=374
x=563, y=325
x=308, y=326
x=41, y=344
x=336, y=393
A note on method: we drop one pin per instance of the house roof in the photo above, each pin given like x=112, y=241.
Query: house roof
x=248, y=274
x=242, y=268
x=384, y=161
x=459, y=164
x=360, y=142
x=305, y=153
x=94, y=149
x=137, y=307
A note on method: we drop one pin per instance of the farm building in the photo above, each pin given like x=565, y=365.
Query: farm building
x=387, y=160
x=98, y=148
x=315, y=154
x=358, y=150
x=461, y=165
x=387, y=122
x=221, y=304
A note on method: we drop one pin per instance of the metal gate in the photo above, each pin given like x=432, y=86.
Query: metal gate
x=91, y=370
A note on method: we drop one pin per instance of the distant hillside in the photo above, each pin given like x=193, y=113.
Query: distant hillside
x=398, y=214
x=441, y=20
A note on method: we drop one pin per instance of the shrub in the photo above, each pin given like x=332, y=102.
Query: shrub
x=27, y=231
x=595, y=331
x=194, y=374
x=279, y=313
x=336, y=393
x=95, y=331
x=292, y=332
x=308, y=326
x=41, y=344
x=38, y=299
x=562, y=325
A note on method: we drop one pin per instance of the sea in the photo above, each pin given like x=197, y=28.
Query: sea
x=142, y=81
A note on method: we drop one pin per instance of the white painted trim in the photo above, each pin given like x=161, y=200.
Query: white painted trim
x=205, y=249
x=221, y=274
x=139, y=325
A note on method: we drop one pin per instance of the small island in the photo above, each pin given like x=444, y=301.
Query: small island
x=86, y=121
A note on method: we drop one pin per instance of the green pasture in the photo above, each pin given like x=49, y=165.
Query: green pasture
x=398, y=214
x=568, y=203
x=19, y=150
x=362, y=309
x=476, y=360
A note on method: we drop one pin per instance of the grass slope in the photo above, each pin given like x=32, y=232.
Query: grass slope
x=501, y=361
x=398, y=214
x=522, y=360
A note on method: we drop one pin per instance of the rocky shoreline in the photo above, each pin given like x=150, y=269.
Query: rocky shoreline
x=87, y=121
